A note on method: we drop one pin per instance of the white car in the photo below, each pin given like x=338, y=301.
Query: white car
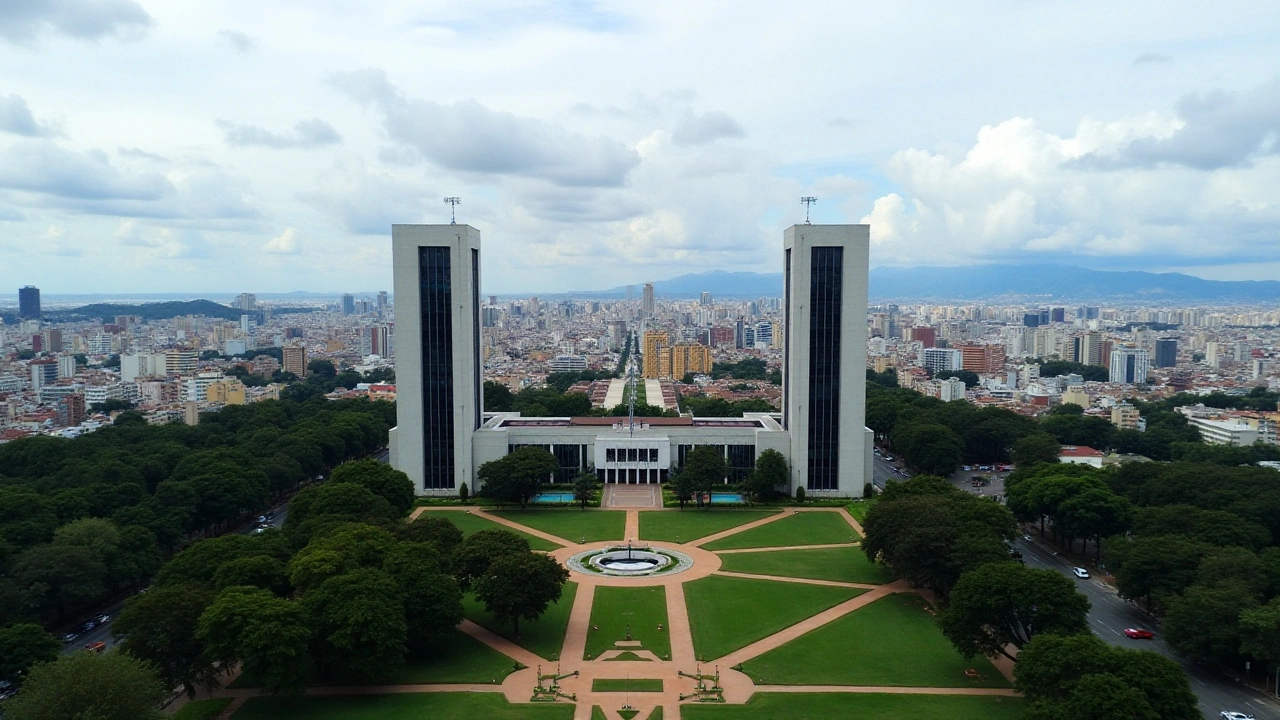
x=1080, y=572
x=1229, y=715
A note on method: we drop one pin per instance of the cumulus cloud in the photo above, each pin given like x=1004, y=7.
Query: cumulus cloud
x=306, y=134
x=23, y=21
x=47, y=168
x=286, y=243
x=1021, y=192
x=238, y=40
x=54, y=241
x=365, y=202
x=16, y=117
x=469, y=137
x=694, y=129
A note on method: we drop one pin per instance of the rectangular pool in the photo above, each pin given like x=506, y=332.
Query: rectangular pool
x=554, y=497
x=726, y=498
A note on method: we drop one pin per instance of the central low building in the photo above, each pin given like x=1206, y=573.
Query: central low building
x=443, y=435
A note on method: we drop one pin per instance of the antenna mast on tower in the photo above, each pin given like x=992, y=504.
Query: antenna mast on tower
x=808, y=201
x=453, y=202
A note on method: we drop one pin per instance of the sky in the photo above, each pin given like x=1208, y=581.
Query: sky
x=234, y=146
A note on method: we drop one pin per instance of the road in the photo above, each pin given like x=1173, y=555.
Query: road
x=1111, y=614
x=103, y=632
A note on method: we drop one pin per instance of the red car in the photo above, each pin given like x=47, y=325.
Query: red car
x=1139, y=634
x=96, y=647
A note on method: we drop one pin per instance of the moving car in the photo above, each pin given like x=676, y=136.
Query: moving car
x=102, y=618
x=1229, y=715
x=1080, y=572
x=1138, y=634
x=96, y=647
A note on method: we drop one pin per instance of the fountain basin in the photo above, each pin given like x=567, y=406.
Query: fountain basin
x=623, y=561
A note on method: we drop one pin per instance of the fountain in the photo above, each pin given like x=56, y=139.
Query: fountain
x=630, y=561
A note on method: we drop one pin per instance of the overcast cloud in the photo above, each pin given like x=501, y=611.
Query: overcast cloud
x=150, y=146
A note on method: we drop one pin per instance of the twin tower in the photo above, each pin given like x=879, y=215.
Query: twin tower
x=443, y=434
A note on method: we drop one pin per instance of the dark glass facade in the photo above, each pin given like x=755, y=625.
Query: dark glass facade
x=826, y=284
x=435, y=299
x=786, y=346
x=475, y=337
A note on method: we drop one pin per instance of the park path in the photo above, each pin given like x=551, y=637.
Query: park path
x=887, y=689
x=802, y=581
x=501, y=644
x=787, y=547
x=631, y=530
x=484, y=513
x=737, y=529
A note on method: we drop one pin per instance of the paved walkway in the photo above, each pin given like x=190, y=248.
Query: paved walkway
x=640, y=497
x=518, y=686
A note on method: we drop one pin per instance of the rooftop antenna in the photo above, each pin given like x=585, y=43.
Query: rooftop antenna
x=454, y=202
x=808, y=201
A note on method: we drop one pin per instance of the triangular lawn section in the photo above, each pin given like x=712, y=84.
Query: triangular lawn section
x=801, y=528
x=842, y=564
x=682, y=526
x=727, y=613
x=543, y=637
x=470, y=523
x=863, y=706
x=892, y=641
x=573, y=524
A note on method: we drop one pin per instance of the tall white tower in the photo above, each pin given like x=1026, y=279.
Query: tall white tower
x=825, y=357
x=439, y=399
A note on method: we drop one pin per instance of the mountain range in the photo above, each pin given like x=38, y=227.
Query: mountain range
x=1033, y=283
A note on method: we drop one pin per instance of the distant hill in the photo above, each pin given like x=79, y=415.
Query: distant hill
x=1030, y=283
x=149, y=311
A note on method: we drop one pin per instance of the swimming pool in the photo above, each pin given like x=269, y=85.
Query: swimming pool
x=726, y=498
x=554, y=497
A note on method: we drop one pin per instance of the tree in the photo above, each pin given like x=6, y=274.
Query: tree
x=23, y=646
x=59, y=578
x=315, y=506
x=263, y=633
x=769, y=474
x=433, y=529
x=1035, y=449
x=359, y=624
x=89, y=686
x=521, y=586
x=323, y=368
x=1260, y=633
x=1095, y=513
x=159, y=628
x=380, y=479
x=260, y=571
x=482, y=549
x=584, y=488
x=497, y=397
x=705, y=467
x=968, y=377
x=1006, y=603
x=432, y=599
x=931, y=448
x=1204, y=624
x=1158, y=568
x=683, y=486
x=516, y=476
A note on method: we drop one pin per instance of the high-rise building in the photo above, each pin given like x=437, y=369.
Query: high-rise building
x=51, y=339
x=1128, y=366
x=439, y=398
x=982, y=358
x=937, y=360
x=246, y=301
x=1058, y=315
x=647, y=303
x=631, y=293
x=764, y=334
x=348, y=304
x=29, y=303
x=294, y=360
x=926, y=336
x=654, y=342
x=705, y=299
x=43, y=372
x=1166, y=352
x=181, y=362
x=382, y=301
x=824, y=390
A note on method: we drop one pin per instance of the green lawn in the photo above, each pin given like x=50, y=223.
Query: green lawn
x=407, y=706
x=892, y=641
x=626, y=685
x=460, y=659
x=572, y=524
x=642, y=609
x=859, y=508
x=846, y=564
x=859, y=706
x=806, y=528
x=727, y=613
x=201, y=709
x=543, y=637
x=471, y=522
x=684, y=525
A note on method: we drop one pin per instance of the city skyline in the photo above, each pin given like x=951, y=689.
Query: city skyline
x=280, y=165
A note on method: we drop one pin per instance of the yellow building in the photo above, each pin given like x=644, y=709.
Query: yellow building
x=1125, y=416
x=651, y=349
x=689, y=359
x=227, y=392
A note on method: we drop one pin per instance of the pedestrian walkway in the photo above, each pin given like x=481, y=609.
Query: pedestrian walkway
x=621, y=497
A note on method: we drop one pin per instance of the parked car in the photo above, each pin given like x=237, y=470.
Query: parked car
x=102, y=618
x=1230, y=715
x=96, y=647
x=71, y=637
x=1138, y=634
x=1080, y=572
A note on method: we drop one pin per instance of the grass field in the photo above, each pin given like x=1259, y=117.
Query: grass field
x=846, y=564
x=859, y=509
x=643, y=609
x=728, y=613
x=460, y=659
x=684, y=525
x=892, y=641
x=470, y=522
x=859, y=706
x=407, y=706
x=201, y=709
x=626, y=685
x=806, y=528
x=544, y=636
x=571, y=524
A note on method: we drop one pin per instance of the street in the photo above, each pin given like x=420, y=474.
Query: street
x=1111, y=614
